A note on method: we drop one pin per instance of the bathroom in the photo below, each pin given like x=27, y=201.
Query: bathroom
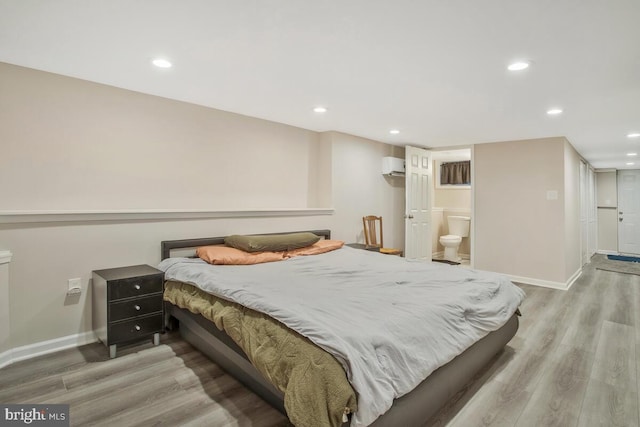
x=451, y=206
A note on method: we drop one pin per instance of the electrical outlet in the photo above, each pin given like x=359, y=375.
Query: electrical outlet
x=75, y=285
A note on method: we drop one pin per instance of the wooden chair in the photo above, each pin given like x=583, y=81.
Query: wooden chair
x=373, y=235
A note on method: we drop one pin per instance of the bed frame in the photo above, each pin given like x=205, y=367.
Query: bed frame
x=412, y=409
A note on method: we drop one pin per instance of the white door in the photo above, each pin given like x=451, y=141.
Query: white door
x=418, y=203
x=629, y=211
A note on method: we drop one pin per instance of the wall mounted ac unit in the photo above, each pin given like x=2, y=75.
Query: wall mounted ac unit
x=392, y=166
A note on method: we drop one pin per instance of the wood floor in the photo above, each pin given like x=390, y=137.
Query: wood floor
x=573, y=362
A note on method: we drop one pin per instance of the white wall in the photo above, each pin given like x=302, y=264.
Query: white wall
x=459, y=198
x=438, y=228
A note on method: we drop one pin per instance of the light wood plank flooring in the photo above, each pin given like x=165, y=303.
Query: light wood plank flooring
x=573, y=362
x=172, y=384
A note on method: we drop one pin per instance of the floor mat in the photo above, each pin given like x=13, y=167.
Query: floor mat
x=601, y=262
x=623, y=258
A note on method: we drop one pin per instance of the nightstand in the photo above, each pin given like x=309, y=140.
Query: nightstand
x=127, y=305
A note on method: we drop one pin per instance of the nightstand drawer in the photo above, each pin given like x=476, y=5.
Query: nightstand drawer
x=134, y=286
x=135, y=307
x=135, y=328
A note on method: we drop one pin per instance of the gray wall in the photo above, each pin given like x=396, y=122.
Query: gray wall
x=518, y=230
x=69, y=145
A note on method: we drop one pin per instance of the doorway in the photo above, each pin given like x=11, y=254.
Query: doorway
x=629, y=211
x=451, y=200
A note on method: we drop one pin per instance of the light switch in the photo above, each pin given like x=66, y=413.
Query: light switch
x=74, y=286
x=552, y=194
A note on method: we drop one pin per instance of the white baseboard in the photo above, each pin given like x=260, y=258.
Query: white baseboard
x=5, y=257
x=5, y=358
x=547, y=283
x=603, y=252
x=573, y=278
x=45, y=347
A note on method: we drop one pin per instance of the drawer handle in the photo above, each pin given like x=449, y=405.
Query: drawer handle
x=137, y=287
x=137, y=307
x=137, y=328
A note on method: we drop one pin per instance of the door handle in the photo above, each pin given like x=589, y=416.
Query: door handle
x=620, y=219
x=408, y=216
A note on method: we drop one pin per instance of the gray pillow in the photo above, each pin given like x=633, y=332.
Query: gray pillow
x=273, y=242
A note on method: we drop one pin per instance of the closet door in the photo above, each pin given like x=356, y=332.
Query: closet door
x=593, y=214
x=584, y=214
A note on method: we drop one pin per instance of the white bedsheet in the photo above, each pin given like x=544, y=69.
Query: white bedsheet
x=390, y=322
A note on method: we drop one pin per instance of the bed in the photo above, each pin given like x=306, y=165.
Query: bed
x=416, y=402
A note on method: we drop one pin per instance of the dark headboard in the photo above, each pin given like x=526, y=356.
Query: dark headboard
x=168, y=245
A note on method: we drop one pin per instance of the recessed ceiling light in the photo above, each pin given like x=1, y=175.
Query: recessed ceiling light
x=394, y=131
x=320, y=110
x=518, y=66
x=554, y=111
x=630, y=163
x=632, y=154
x=161, y=63
x=633, y=135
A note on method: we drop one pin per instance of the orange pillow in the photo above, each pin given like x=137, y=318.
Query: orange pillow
x=320, y=247
x=224, y=255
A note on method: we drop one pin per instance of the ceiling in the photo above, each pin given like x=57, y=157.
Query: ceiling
x=434, y=70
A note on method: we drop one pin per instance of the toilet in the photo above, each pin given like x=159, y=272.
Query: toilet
x=458, y=228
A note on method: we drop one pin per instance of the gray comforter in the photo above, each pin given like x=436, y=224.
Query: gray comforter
x=388, y=321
